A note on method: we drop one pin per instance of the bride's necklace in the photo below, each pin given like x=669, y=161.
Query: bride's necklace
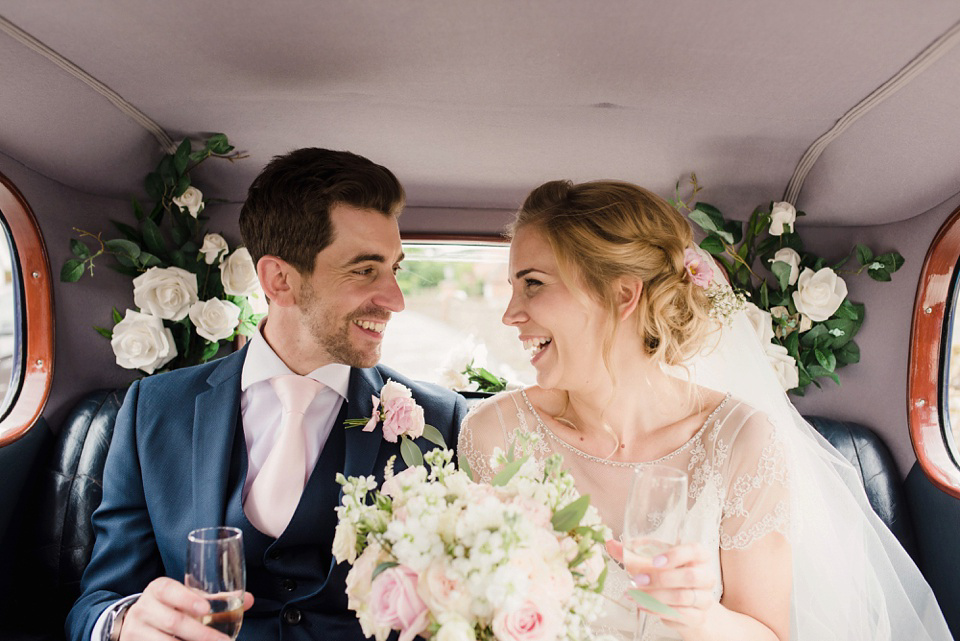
x=596, y=459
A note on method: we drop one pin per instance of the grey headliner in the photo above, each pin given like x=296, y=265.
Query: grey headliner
x=473, y=104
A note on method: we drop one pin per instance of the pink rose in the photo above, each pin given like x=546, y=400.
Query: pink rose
x=396, y=604
x=529, y=622
x=442, y=592
x=403, y=416
x=698, y=267
x=374, y=416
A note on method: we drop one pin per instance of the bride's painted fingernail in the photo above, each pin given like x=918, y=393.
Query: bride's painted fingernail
x=658, y=561
x=641, y=579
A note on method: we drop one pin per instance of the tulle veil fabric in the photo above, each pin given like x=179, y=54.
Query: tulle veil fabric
x=852, y=581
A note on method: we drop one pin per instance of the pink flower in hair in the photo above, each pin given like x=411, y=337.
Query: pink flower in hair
x=698, y=267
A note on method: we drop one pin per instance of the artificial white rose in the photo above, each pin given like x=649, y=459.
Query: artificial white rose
x=191, y=200
x=238, y=274
x=782, y=214
x=784, y=365
x=761, y=321
x=140, y=341
x=215, y=319
x=819, y=293
x=214, y=248
x=792, y=258
x=165, y=292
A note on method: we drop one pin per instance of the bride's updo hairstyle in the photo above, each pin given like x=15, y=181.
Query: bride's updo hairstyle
x=603, y=230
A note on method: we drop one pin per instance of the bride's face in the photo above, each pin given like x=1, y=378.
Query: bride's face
x=562, y=329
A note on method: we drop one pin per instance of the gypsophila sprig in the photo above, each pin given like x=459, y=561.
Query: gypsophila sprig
x=798, y=301
x=437, y=555
x=192, y=294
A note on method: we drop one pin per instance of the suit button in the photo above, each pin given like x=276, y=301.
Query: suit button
x=289, y=585
x=293, y=616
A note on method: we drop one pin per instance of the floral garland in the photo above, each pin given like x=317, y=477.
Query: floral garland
x=799, y=307
x=193, y=295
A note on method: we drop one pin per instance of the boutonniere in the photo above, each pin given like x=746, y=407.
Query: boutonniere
x=402, y=420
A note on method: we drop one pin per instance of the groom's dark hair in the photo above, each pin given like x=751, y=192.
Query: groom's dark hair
x=287, y=211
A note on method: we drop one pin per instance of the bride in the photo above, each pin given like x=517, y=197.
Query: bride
x=778, y=541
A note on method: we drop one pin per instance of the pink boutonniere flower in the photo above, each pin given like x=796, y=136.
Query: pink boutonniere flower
x=402, y=420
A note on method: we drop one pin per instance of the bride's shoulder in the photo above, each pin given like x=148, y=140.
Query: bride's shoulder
x=739, y=420
x=489, y=412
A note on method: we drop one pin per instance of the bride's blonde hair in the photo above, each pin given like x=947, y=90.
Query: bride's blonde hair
x=603, y=230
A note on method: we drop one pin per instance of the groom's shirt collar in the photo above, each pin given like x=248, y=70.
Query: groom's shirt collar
x=262, y=364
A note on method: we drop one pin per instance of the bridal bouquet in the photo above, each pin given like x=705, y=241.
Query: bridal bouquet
x=435, y=554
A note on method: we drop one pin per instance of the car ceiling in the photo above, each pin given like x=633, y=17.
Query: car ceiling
x=473, y=104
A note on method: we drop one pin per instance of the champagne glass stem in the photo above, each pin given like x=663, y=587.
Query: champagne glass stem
x=641, y=625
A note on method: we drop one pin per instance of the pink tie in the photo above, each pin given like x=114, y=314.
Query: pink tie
x=276, y=491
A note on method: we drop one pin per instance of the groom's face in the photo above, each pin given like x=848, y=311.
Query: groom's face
x=347, y=301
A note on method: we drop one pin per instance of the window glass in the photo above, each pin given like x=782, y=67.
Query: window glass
x=455, y=294
x=951, y=374
x=9, y=336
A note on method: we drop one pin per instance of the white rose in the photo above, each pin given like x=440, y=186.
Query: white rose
x=792, y=258
x=140, y=341
x=393, y=390
x=454, y=628
x=165, y=292
x=761, y=321
x=191, y=200
x=782, y=214
x=819, y=294
x=784, y=365
x=238, y=274
x=215, y=319
x=214, y=248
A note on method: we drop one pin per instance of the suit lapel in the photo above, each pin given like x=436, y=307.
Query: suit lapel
x=216, y=412
x=362, y=447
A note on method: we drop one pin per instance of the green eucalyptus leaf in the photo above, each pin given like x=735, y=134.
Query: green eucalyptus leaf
x=735, y=229
x=137, y=209
x=826, y=359
x=712, y=244
x=209, y=351
x=817, y=371
x=410, y=453
x=864, y=254
x=891, y=261
x=182, y=157
x=126, y=270
x=78, y=249
x=182, y=183
x=841, y=330
x=569, y=516
x=710, y=219
x=218, y=144
x=177, y=236
x=433, y=435
x=117, y=317
x=153, y=238
x=123, y=247
x=810, y=338
x=125, y=261
x=148, y=260
x=793, y=345
x=167, y=172
x=465, y=466
x=381, y=568
x=848, y=354
x=199, y=155
x=781, y=270
x=178, y=259
x=648, y=602
x=130, y=232
x=508, y=471
x=71, y=271
x=103, y=331
x=881, y=275
x=764, y=296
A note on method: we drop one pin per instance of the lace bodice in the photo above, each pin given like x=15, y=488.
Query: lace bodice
x=738, y=480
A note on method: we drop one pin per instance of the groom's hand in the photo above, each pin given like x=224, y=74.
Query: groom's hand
x=168, y=609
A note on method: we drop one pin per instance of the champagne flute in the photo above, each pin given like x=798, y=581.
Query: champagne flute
x=655, y=509
x=217, y=570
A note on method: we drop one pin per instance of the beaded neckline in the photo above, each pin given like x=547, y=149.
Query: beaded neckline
x=596, y=459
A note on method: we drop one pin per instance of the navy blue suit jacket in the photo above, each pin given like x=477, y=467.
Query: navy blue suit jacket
x=167, y=473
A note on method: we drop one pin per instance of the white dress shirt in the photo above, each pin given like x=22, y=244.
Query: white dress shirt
x=260, y=413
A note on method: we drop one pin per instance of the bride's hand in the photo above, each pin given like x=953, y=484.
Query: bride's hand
x=681, y=577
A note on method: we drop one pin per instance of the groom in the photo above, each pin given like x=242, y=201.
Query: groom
x=192, y=448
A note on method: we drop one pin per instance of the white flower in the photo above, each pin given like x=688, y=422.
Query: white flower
x=456, y=361
x=792, y=258
x=165, y=292
x=140, y=341
x=761, y=321
x=784, y=365
x=238, y=274
x=345, y=542
x=214, y=248
x=782, y=214
x=215, y=319
x=191, y=200
x=455, y=628
x=819, y=293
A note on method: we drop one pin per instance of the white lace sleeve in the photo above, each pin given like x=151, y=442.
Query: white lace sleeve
x=483, y=429
x=755, y=477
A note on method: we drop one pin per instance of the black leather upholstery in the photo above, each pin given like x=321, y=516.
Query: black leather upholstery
x=881, y=479
x=70, y=490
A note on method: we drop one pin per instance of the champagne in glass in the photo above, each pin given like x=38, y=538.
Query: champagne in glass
x=217, y=570
x=656, y=505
